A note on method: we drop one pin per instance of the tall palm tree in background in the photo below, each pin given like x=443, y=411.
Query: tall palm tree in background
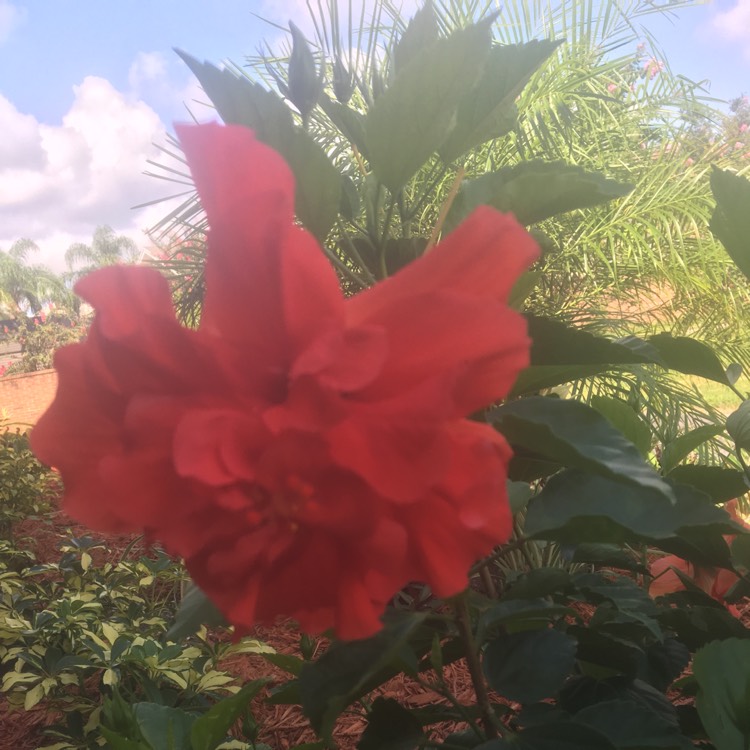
x=106, y=249
x=25, y=288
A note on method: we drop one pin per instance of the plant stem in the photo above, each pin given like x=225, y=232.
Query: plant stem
x=463, y=620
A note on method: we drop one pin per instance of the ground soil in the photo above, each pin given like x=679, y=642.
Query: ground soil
x=282, y=726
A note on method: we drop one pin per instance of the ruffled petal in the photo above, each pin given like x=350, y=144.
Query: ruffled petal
x=268, y=285
x=482, y=258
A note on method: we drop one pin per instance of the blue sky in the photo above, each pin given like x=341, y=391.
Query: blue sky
x=87, y=86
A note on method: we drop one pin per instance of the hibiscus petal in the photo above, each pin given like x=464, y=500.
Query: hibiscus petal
x=479, y=341
x=483, y=257
x=268, y=285
x=217, y=446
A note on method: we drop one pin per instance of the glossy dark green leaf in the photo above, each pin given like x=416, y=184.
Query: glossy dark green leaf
x=540, y=582
x=577, y=507
x=412, y=118
x=719, y=483
x=390, y=727
x=628, y=724
x=422, y=31
x=304, y=81
x=195, y=610
x=698, y=624
x=624, y=418
x=348, y=121
x=689, y=356
x=666, y=662
x=583, y=691
x=575, y=435
x=604, y=653
x=731, y=218
x=164, y=727
x=723, y=700
x=536, y=190
x=738, y=426
x=703, y=546
x=212, y=728
x=740, y=549
x=519, y=614
x=607, y=555
x=561, y=353
x=240, y=101
x=529, y=666
x=349, y=670
x=488, y=110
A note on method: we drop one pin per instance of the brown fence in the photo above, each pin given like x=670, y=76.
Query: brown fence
x=24, y=398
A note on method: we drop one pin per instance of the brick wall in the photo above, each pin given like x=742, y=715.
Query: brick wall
x=23, y=398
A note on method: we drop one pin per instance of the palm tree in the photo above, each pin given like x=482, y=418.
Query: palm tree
x=25, y=288
x=106, y=249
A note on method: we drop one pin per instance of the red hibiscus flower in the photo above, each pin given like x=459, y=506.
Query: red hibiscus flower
x=305, y=453
x=716, y=582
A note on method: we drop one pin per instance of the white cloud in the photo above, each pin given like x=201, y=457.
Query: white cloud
x=10, y=17
x=734, y=24
x=59, y=182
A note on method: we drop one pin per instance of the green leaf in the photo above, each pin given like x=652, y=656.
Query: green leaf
x=624, y=418
x=741, y=551
x=731, y=218
x=684, y=445
x=718, y=483
x=520, y=614
x=212, y=728
x=390, y=727
x=561, y=353
x=535, y=190
x=529, y=666
x=240, y=101
x=540, y=582
x=576, y=507
x=738, y=426
x=413, y=117
x=689, y=356
x=118, y=742
x=577, y=436
x=195, y=609
x=519, y=494
x=607, y=555
x=488, y=110
x=557, y=735
x=349, y=670
x=164, y=728
x=628, y=724
x=348, y=121
x=422, y=31
x=723, y=700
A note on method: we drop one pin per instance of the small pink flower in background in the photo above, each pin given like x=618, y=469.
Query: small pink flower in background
x=653, y=67
x=739, y=145
x=690, y=161
x=743, y=127
x=612, y=87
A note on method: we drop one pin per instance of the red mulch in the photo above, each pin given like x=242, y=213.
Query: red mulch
x=282, y=726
